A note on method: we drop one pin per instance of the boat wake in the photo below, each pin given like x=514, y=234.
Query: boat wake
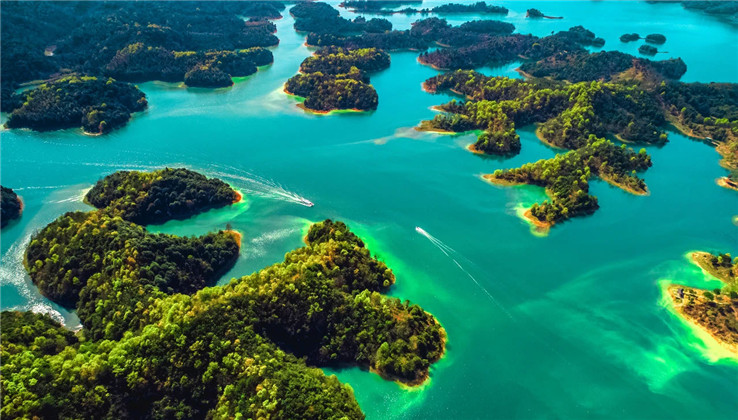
x=450, y=252
x=13, y=273
x=257, y=185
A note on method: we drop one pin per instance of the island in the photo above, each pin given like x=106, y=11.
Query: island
x=537, y=14
x=336, y=79
x=629, y=37
x=11, y=206
x=567, y=113
x=139, y=62
x=725, y=10
x=647, y=50
x=323, y=18
x=657, y=39
x=247, y=348
x=566, y=179
x=96, y=40
x=708, y=111
x=381, y=7
x=571, y=116
x=501, y=49
x=98, y=104
x=422, y=35
x=159, y=196
x=533, y=13
x=579, y=66
x=716, y=311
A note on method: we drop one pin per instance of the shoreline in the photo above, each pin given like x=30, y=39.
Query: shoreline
x=699, y=258
x=472, y=148
x=541, y=226
x=625, y=188
x=727, y=350
x=239, y=196
x=302, y=106
x=236, y=234
x=425, y=378
x=524, y=74
x=726, y=182
x=539, y=136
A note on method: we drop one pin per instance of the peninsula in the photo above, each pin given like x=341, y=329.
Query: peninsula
x=716, y=311
x=162, y=337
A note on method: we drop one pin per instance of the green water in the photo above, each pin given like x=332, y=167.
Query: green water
x=576, y=327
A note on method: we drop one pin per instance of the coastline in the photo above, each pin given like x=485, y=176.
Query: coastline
x=726, y=182
x=524, y=74
x=239, y=196
x=700, y=259
x=302, y=106
x=540, y=137
x=625, y=188
x=715, y=348
x=472, y=148
x=423, y=380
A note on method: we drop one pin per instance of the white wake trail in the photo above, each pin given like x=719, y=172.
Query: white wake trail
x=257, y=185
x=447, y=250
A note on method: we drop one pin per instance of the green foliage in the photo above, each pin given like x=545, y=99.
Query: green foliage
x=10, y=206
x=566, y=177
x=138, y=62
x=569, y=113
x=159, y=196
x=581, y=66
x=335, y=78
x=500, y=49
x=33, y=332
x=86, y=37
x=73, y=101
x=156, y=344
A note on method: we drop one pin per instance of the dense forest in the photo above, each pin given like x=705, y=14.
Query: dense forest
x=139, y=62
x=389, y=7
x=10, y=207
x=497, y=50
x=98, y=105
x=706, y=110
x=422, y=35
x=336, y=78
x=579, y=66
x=45, y=39
x=568, y=113
x=566, y=177
x=155, y=343
x=714, y=310
x=571, y=116
x=159, y=196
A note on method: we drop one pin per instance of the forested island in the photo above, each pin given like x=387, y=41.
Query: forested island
x=537, y=14
x=139, y=62
x=648, y=50
x=203, y=44
x=568, y=113
x=10, y=207
x=387, y=7
x=336, y=79
x=422, y=35
x=571, y=116
x=498, y=50
x=98, y=105
x=155, y=343
x=716, y=311
x=579, y=66
x=158, y=196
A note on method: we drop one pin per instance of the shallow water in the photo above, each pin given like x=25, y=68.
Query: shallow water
x=576, y=328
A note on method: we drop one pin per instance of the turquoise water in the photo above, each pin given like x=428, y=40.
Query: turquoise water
x=576, y=327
